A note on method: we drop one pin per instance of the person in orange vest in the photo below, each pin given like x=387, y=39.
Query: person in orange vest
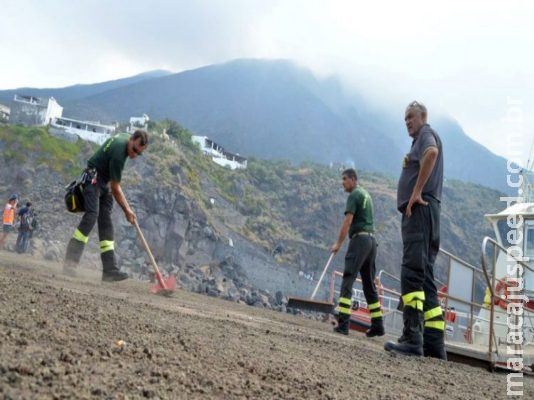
x=8, y=218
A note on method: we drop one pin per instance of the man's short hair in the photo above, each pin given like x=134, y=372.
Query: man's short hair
x=28, y=204
x=143, y=135
x=417, y=105
x=350, y=173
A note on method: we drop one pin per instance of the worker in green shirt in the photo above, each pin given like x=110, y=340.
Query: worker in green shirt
x=361, y=255
x=101, y=184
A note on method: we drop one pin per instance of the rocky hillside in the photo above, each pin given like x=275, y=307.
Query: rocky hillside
x=244, y=235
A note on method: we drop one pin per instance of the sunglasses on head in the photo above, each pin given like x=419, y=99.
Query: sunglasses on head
x=419, y=106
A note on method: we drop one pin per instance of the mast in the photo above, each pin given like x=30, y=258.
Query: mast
x=526, y=192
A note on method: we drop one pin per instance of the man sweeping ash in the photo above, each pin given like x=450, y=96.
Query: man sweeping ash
x=102, y=185
x=361, y=255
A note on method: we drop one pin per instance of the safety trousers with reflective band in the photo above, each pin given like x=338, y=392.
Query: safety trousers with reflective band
x=421, y=239
x=414, y=300
x=98, y=207
x=360, y=259
x=374, y=310
x=106, y=245
x=344, y=306
x=434, y=319
x=80, y=237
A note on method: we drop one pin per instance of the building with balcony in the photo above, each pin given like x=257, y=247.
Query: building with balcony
x=31, y=110
x=218, y=154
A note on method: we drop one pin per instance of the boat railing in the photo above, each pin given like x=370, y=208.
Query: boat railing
x=492, y=247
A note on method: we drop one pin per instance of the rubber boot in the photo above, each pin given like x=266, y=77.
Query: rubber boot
x=69, y=269
x=343, y=321
x=72, y=258
x=434, y=344
x=111, y=272
x=377, y=328
x=114, y=276
x=412, y=336
x=402, y=338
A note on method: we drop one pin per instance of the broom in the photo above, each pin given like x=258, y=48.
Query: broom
x=311, y=304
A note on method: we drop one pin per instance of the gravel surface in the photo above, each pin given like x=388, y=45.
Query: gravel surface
x=78, y=338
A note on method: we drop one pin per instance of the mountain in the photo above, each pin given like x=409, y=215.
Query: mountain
x=75, y=92
x=277, y=110
x=470, y=161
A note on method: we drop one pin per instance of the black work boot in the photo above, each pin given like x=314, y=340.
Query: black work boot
x=343, y=321
x=377, y=328
x=69, y=269
x=402, y=339
x=114, y=276
x=412, y=336
x=434, y=344
x=111, y=272
x=72, y=258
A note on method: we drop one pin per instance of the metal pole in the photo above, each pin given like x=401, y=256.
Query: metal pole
x=492, y=305
x=448, y=285
x=517, y=346
x=471, y=306
x=322, y=275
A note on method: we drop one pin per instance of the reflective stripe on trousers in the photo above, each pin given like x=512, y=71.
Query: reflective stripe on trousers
x=344, y=306
x=375, y=310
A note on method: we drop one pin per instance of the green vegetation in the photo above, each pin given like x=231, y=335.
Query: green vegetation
x=36, y=144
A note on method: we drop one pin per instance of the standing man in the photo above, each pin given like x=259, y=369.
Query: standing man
x=104, y=173
x=8, y=219
x=25, y=215
x=361, y=254
x=418, y=199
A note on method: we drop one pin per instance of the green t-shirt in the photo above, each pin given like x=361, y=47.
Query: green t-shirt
x=360, y=205
x=110, y=158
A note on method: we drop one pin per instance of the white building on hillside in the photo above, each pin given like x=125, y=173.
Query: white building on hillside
x=31, y=110
x=70, y=129
x=138, y=123
x=4, y=113
x=218, y=154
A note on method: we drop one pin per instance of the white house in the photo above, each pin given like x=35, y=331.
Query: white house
x=31, y=110
x=92, y=131
x=218, y=154
x=4, y=112
x=138, y=123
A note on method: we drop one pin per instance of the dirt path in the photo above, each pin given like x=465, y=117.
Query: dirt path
x=58, y=339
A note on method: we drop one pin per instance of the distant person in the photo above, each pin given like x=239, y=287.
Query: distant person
x=361, y=255
x=25, y=219
x=419, y=201
x=34, y=223
x=8, y=218
x=104, y=170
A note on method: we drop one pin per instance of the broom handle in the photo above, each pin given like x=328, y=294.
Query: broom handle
x=150, y=256
x=322, y=275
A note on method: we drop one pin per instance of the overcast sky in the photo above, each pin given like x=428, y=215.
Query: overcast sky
x=460, y=57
